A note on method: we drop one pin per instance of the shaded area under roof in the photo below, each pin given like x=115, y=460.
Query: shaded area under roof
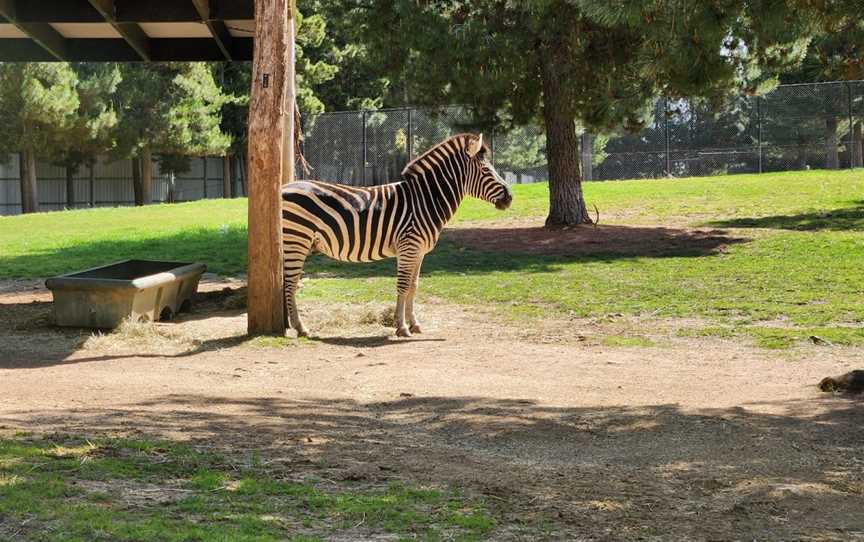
x=126, y=30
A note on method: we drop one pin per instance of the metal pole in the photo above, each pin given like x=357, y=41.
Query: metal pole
x=204, y=165
x=759, y=129
x=851, y=126
x=92, y=179
x=410, y=143
x=363, y=168
x=666, y=136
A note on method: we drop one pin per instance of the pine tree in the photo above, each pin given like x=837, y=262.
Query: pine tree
x=91, y=131
x=37, y=104
x=171, y=109
x=569, y=63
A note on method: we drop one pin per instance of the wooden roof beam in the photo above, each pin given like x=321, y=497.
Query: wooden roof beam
x=41, y=33
x=217, y=28
x=131, y=32
x=129, y=11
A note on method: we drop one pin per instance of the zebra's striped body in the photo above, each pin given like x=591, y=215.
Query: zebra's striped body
x=402, y=219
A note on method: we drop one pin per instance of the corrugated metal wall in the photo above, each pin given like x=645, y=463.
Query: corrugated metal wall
x=112, y=184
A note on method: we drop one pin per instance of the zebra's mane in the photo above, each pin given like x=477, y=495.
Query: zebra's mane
x=420, y=159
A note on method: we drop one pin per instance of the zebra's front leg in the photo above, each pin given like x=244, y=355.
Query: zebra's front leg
x=408, y=265
x=413, y=326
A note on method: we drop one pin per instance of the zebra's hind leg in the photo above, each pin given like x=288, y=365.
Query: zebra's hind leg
x=413, y=325
x=295, y=251
x=407, y=265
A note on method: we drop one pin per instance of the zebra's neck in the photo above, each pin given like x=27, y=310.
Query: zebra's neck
x=436, y=185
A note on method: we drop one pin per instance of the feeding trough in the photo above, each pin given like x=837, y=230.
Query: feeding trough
x=136, y=290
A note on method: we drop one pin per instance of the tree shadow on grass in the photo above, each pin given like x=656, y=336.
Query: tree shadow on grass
x=847, y=219
x=477, y=251
x=462, y=250
x=784, y=470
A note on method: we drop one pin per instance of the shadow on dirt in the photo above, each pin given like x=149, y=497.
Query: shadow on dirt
x=620, y=472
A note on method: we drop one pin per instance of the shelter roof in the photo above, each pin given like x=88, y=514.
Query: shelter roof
x=126, y=30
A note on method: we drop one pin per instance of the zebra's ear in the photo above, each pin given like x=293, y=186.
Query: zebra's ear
x=475, y=146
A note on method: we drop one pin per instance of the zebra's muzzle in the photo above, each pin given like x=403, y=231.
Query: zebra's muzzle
x=504, y=202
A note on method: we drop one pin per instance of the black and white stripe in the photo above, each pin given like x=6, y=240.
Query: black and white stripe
x=403, y=219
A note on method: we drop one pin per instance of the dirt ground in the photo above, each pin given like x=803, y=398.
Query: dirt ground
x=701, y=439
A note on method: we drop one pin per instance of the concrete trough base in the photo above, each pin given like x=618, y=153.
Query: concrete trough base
x=136, y=290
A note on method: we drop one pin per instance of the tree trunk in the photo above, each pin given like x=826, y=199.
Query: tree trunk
x=857, y=146
x=270, y=118
x=70, y=187
x=832, y=160
x=566, y=202
x=226, y=176
x=29, y=190
x=136, y=182
x=146, y=177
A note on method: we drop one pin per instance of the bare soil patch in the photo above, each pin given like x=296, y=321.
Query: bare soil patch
x=690, y=440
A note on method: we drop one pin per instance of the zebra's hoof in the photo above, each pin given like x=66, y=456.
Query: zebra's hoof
x=416, y=328
x=403, y=332
x=302, y=332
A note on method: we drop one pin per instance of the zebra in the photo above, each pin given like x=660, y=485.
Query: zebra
x=402, y=219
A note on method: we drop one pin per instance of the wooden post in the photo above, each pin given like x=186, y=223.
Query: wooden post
x=226, y=176
x=271, y=102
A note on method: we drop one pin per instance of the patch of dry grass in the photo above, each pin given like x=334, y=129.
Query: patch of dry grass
x=141, y=335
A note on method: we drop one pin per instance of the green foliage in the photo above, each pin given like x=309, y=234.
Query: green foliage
x=91, y=131
x=613, y=58
x=38, y=105
x=172, y=109
x=344, y=49
x=835, y=53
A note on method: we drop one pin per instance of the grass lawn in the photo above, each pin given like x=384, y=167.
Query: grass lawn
x=798, y=270
x=66, y=488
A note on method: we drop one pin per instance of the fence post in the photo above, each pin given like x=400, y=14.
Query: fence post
x=666, y=136
x=759, y=129
x=410, y=143
x=204, y=166
x=492, y=146
x=92, y=182
x=363, y=157
x=851, y=144
x=587, y=154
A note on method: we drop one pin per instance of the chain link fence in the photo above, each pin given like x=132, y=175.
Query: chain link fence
x=795, y=127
